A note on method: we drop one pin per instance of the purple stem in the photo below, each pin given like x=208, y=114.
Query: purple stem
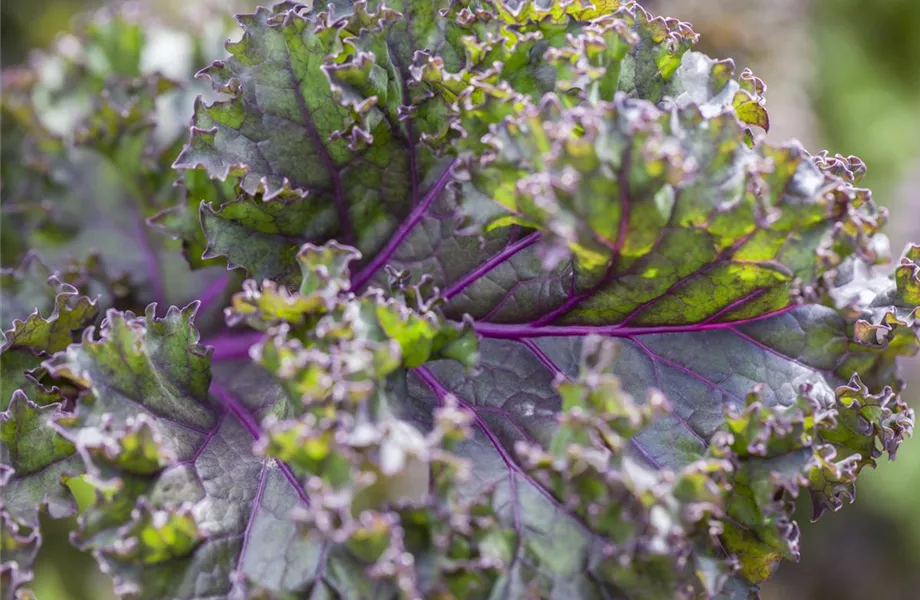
x=432, y=382
x=229, y=346
x=558, y=373
x=213, y=292
x=573, y=301
x=490, y=264
x=546, y=360
x=530, y=330
x=248, y=421
x=513, y=467
x=736, y=304
x=441, y=392
x=724, y=255
x=410, y=129
x=828, y=372
x=616, y=249
x=657, y=358
x=368, y=272
x=232, y=404
x=256, y=505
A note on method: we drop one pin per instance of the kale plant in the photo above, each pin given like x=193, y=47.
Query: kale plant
x=438, y=299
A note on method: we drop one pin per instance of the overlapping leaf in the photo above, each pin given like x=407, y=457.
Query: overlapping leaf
x=43, y=314
x=180, y=488
x=90, y=130
x=151, y=430
x=97, y=126
x=36, y=465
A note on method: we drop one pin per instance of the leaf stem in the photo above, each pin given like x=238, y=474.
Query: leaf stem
x=137, y=208
x=490, y=264
x=616, y=249
x=213, y=292
x=368, y=272
x=522, y=331
x=248, y=421
x=233, y=346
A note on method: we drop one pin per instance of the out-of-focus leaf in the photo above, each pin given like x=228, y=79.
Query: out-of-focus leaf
x=94, y=122
x=32, y=336
x=35, y=463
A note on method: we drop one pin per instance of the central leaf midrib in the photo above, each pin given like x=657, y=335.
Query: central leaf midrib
x=441, y=391
x=482, y=270
x=360, y=279
x=521, y=331
x=248, y=421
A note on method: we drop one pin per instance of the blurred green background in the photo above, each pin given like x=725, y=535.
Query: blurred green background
x=842, y=75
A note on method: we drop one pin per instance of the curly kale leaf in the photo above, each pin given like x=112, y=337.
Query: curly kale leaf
x=561, y=172
x=534, y=313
